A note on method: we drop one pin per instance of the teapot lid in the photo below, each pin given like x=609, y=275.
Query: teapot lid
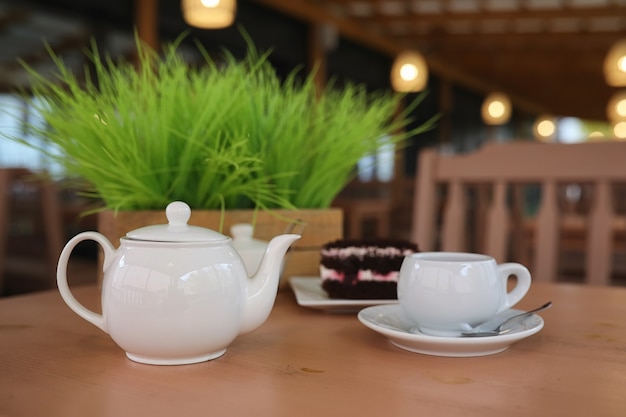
x=177, y=230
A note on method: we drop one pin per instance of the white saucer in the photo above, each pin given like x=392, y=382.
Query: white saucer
x=309, y=293
x=389, y=320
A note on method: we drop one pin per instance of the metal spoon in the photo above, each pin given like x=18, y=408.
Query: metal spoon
x=500, y=329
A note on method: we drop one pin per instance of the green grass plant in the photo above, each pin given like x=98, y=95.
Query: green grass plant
x=221, y=135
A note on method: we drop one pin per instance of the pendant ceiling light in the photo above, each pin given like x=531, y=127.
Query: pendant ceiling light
x=209, y=14
x=615, y=65
x=409, y=72
x=545, y=128
x=496, y=109
x=619, y=130
x=616, y=107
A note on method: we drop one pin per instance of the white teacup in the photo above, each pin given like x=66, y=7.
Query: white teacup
x=446, y=293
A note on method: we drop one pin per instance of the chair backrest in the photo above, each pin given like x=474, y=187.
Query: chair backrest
x=13, y=180
x=496, y=172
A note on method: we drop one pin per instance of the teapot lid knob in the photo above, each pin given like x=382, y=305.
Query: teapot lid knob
x=178, y=214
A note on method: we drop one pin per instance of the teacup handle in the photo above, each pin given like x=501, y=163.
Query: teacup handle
x=522, y=286
x=92, y=317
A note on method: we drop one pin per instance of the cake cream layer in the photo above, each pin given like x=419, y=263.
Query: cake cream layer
x=361, y=275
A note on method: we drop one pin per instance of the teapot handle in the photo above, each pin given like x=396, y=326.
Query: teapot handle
x=92, y=317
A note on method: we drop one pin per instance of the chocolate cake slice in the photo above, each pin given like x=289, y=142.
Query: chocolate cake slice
x=363, y=269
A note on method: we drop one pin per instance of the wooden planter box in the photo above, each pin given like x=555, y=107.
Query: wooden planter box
x=319, y=227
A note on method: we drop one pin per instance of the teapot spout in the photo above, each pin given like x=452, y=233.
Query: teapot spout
x=262, y=287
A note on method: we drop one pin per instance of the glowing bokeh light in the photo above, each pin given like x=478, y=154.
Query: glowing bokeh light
x=619, y=130
x=409, y=72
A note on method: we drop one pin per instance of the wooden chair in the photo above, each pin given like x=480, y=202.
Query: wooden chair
x=495, y=202
x=22, y=194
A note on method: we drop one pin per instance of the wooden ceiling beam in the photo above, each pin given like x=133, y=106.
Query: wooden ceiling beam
x=147, y=22
x=315, y=14
x=482, y=62
x=411, y=17
x=517, y=47
x=561, y=38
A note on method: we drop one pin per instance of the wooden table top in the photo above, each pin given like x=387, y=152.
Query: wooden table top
x=306, y=362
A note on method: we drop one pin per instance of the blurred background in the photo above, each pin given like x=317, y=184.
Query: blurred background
x=545, y=57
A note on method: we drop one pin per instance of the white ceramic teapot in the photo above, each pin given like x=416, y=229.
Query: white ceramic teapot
x=177, y=294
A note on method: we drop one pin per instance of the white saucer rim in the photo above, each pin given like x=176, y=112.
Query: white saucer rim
x=450, y=340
